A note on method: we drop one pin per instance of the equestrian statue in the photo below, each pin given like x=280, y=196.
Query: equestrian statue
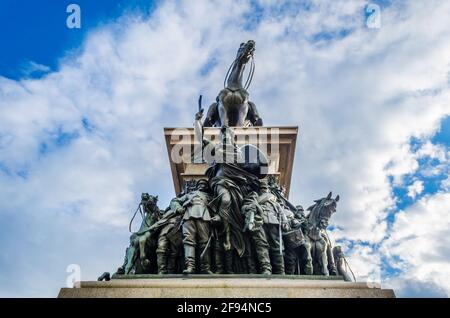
x=233, y=107
x=235, y=217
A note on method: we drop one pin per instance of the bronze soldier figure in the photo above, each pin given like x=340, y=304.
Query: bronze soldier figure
x=294, y=242
x=169, y=239
x=273, y=219
x=342, y=264
x=223, y=258
x=196, y=227
x=229, y=182
x=254, y=226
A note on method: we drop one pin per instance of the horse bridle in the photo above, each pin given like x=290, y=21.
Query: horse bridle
x=250, y=74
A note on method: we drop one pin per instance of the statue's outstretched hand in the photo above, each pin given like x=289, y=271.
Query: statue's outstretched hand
x=199, y=115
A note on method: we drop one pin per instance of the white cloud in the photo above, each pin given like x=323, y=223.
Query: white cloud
x=418, y=245
x=415, y=189
x=432, y=151
x=358, y=100
x=446, y=184
x=31, y=67
x=435, y=158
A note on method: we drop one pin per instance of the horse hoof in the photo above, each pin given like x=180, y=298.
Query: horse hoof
x=145, y=263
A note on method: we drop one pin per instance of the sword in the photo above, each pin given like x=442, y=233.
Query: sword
x=207, y=245
x=197, y=156
x=200, y=103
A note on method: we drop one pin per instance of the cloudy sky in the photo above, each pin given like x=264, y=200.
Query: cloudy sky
x=82, y=113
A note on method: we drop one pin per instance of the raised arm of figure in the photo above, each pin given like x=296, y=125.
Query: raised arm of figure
x=176, y=204
x=198, y=129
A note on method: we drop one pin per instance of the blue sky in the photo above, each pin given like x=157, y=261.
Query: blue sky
x=82, y=112
x=34, y=32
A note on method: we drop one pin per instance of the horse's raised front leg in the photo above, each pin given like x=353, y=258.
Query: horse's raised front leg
x=128, y=262
x=131, y=255
x=324, y=259
x=331, y=262
x=145, y=262
x=307, y=259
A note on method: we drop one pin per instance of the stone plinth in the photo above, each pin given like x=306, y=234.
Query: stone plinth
x=236, y=286
x=277, y=143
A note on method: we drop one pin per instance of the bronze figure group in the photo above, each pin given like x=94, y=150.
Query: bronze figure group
x=235, y=220
x=193, y=236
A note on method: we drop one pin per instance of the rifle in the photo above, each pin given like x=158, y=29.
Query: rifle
x=280, y=234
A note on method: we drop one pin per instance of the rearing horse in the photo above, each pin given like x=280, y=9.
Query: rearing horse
x=232, y=106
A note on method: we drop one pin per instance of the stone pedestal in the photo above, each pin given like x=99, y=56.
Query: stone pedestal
x=277, y=143
x=229, y=286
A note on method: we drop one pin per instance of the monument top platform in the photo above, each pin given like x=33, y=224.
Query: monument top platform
x=277, y=143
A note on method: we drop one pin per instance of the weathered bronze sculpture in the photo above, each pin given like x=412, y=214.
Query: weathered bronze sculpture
x=254, y=227
x=276, y=239
x=236, y=218
x=294, y=241
x=342, y=265
x=232, y=106
x=196, y=227
x=317, y=241
x=273, y=219
x=141, y=242
x=229, y=183
x=169, y=239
